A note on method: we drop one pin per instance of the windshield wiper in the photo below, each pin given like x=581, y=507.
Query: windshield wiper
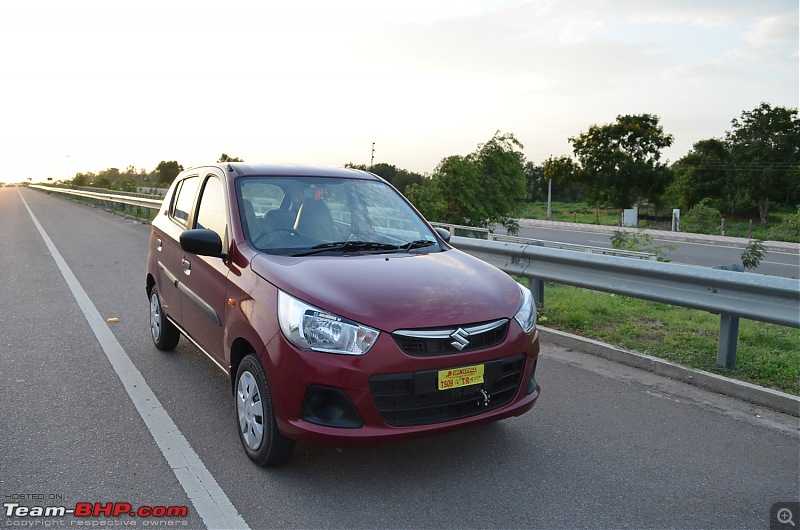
x=357, y=246
x=344, y=246
x=419, y=243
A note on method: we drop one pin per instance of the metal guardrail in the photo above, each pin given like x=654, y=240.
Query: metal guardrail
x=491, y=236
x=730, y=294
x=118, y=198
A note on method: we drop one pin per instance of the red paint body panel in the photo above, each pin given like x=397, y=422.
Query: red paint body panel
x=397, y=291
x=436, y=287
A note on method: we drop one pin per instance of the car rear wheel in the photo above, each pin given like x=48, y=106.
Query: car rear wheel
x=255, y=417
x=165, y=334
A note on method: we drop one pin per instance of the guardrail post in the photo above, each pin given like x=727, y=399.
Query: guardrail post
x=728, y=338
x=728, y=328
x=535, y=285
x=537, y=290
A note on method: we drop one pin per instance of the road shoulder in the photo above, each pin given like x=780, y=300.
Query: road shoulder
x=744, y=400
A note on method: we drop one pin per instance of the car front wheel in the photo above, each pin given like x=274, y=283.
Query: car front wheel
x=255, y=417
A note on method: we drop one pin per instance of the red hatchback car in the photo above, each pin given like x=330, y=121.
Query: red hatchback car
x=341, y=316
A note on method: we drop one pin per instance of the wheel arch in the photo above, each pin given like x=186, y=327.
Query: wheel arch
x=150, y=283
x=240, y=348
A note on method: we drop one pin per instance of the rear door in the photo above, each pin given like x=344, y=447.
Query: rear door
x=166, y=251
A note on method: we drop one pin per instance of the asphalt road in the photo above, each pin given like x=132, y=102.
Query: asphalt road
x=692, y=253
x=605, y=447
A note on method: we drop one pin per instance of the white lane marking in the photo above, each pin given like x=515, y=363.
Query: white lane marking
x=794, y=265
x=211, y=503
x=711, y=245
x=673, y=241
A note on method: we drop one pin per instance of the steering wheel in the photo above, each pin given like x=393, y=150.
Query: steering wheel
x=262, y=235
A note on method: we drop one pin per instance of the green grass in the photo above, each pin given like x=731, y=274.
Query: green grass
x=579, y=212
x=768, y=355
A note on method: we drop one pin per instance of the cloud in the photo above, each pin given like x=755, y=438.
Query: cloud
x=320, y=81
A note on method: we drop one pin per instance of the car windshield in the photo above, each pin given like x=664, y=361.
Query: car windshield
x=302, y=216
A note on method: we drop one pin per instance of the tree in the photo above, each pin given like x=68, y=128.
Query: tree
x=225, y=158
x=81, y=179
x=503, y=178
x=383, y=170
x=535, y=185
x=619, y=162
x=397, y=177
x=559, y=169
x=406, y=178
x=704, y=173
x=478, y=189
x=167, y=171
x=455, y=193
x=765, y=146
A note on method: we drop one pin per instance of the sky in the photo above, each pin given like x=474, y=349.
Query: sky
x=88, y=85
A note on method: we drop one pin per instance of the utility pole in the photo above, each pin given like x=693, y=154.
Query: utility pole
x=372, y=158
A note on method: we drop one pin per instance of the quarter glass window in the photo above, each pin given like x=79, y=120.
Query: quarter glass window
x=185, y=199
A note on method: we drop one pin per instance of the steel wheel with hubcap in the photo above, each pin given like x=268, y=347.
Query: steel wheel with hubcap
x=165, y=334
x=255, y=417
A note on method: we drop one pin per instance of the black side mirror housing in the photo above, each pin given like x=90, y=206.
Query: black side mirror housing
x=202, y=242
x=444, y=234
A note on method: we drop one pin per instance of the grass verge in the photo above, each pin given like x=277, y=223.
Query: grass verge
x=768, y=355
x=579, y=212
x=739, y=226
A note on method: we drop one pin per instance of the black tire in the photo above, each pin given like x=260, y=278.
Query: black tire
x=255, y=417
x=164, y=333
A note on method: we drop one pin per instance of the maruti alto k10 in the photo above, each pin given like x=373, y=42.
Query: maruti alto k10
x=342, y=317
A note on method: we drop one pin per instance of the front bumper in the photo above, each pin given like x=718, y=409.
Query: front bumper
x=387, y=395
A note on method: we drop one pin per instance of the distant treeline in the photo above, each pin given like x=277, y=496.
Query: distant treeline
x=753, y=168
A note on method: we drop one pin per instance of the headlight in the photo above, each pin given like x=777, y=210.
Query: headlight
x=526, y=315
x=311, y=328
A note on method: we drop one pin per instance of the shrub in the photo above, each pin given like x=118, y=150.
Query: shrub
x=753, y=254
x=639, y=241
x=788, y=230
x=702, y=219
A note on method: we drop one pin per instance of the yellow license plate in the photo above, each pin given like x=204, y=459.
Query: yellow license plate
x=457, y=377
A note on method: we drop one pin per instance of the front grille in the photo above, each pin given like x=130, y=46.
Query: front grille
x=413, y=398
x=444, y=341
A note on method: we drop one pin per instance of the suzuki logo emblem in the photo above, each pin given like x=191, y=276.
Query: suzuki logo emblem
x=460, y=339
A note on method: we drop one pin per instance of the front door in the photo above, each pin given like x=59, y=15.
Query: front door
x=204, y=278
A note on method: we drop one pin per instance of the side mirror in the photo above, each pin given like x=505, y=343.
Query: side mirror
x=202, y=242
x=444, y=234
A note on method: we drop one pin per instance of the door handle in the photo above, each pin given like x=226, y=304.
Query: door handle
x=187, y=266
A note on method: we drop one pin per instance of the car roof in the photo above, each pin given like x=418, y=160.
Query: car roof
x=242, y=169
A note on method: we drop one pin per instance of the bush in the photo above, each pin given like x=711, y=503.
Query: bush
x=702, y=219
x=639, y=241
x=788, y=230
x=753, y=254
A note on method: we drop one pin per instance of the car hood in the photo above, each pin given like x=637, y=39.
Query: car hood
x=397, y=291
